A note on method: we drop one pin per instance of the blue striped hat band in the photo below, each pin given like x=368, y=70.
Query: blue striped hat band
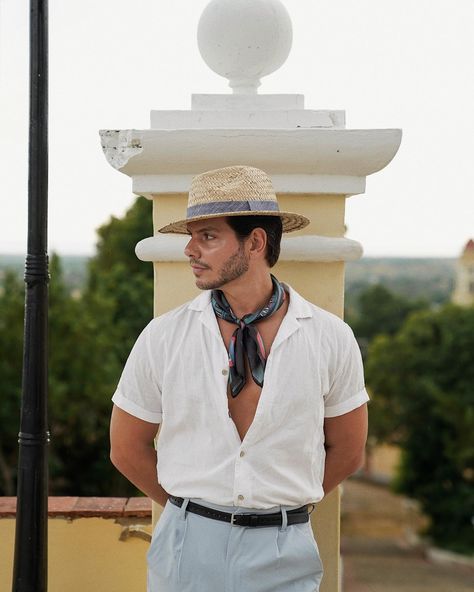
x=226, y=207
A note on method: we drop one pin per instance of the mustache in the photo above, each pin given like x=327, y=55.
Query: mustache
x=199, y=263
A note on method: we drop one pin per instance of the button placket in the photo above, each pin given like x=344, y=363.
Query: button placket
x=240, y=480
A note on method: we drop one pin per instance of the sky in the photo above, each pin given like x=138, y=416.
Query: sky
x=389, y=64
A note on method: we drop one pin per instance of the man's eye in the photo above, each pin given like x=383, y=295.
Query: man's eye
x=208, y=236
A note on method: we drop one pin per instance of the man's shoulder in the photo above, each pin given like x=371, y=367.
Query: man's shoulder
x=319, y=318
x=176, y=316
x=329, y=319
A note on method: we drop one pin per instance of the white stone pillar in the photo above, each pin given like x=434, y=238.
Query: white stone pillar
x=314, y=161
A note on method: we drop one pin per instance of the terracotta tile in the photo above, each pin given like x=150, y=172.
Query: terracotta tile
x=86, y=507
x=139, y=507
x=61, y=506
x=105, y=507
x=7, y=507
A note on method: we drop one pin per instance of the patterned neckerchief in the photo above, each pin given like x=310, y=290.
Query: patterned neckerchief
x=246, y=340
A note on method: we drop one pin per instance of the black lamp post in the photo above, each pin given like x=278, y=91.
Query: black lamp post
x=30, y=563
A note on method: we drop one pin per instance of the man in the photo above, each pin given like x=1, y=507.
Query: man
x=261, y=401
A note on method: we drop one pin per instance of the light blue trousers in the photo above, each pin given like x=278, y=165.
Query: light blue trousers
x=192, y=553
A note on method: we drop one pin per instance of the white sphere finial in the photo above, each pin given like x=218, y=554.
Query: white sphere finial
x=244, y=40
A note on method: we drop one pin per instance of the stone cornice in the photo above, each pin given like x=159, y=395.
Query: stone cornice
x=345, y=155
x=168, y=247
x=151, y=185
x=119, y=146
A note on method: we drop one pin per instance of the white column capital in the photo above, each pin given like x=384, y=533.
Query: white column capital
x=301, y=160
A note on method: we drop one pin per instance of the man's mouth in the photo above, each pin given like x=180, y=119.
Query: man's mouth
x=197, y=267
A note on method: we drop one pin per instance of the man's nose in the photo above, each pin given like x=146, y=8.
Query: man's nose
x=191, y=249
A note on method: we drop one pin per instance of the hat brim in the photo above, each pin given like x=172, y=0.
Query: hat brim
x=290, y=221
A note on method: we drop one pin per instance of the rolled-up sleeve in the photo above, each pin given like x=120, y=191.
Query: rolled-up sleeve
x=347, y=391
x=138, y=391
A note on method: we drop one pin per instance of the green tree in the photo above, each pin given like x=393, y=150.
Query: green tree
x=114, y=308
x=117, y=240
x=83, y=369
x=425, y=373
x=11, y=355
x=81, y=374
x=381, y=311
x=89, y=340
x=119, y=279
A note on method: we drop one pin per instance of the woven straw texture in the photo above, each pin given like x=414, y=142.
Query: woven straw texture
x=237, y=183
x=212, y=189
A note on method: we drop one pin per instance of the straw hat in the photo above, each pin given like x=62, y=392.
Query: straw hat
x=234, y=191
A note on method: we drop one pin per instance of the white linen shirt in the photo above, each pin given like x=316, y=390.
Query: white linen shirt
x=177, y=375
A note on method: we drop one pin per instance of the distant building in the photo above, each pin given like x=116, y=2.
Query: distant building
x=464, y=289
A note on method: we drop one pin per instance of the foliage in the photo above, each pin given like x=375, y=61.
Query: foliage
x=11, y=355
x=425, y=373
x=91, y=350
x=118, y=278
x=83, y=373
x=381, y=311
x=117, y=240
x=90, y=337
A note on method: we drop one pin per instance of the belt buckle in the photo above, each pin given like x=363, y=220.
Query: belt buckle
x=249, y=520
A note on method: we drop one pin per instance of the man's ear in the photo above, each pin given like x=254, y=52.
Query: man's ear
x=258, y=243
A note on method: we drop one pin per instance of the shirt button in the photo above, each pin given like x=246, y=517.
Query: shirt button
x=240, y=497
x=225, y=372
x=242, y=453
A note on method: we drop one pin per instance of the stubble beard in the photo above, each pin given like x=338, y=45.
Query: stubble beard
x=235, y=266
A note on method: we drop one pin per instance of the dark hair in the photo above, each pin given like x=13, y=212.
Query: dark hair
x=243, y=226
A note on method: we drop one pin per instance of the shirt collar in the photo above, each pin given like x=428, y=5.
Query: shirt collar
x=299, y=308
x=201, y=301
x=202, y=304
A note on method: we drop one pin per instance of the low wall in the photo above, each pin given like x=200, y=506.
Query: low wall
x=93, y=543
x=100, y=544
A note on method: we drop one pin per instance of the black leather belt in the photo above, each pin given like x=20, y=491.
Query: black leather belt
x=296, y=516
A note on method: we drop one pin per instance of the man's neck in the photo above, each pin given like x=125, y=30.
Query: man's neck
x=248, y=294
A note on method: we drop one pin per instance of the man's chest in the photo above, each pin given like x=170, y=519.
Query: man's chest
x=243, y=407
x=194, y=375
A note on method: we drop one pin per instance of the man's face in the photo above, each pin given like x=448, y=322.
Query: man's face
x=216, y=256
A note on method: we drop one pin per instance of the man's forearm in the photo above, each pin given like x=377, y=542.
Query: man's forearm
x=140, y=469
x=340, y=464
